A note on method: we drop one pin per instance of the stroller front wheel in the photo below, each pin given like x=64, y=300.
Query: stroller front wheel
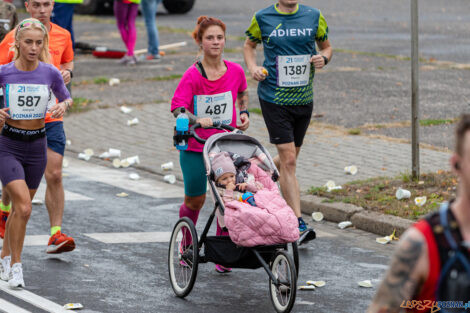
x=283, y=290
x=183, y=257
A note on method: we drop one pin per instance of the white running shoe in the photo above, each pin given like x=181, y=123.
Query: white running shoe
x=5, y=269
x=16, y=280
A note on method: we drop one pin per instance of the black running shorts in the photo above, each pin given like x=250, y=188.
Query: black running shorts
x=286, y=123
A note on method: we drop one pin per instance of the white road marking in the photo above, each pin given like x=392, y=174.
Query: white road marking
x=11, y=308
x=120, y=178
x=33, y=299
x=140, y=237
x=33, y=240
x=321, y=233
x=69, y=195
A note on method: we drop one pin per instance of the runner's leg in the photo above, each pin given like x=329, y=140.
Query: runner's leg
x=16, y=229
x=55, y=199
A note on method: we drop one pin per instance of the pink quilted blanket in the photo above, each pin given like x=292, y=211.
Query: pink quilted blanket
x=272, y=221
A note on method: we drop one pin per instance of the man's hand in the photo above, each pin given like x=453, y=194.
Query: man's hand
x=65, y=76
x=317, y=61
x=205, y=122
x=245, y=122
x=259, y=73
x=59, y=109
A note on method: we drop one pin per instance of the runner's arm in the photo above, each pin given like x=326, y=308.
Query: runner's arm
x=65, y=70
x=325, y=50
x=191, y=116
x=405, y=276
x=249, y=52
x=242, y=100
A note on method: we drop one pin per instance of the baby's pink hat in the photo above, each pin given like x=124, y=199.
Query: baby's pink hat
x=222, y=163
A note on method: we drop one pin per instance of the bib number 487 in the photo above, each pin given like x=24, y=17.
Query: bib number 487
x=29, y=101
x=216, y=109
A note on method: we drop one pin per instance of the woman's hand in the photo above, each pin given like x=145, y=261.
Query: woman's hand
x=59, y=109
x=259, y=73
x=4, y=115
x=245, y=122
x=205, y=122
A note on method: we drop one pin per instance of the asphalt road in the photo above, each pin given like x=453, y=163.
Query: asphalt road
x=120, y=264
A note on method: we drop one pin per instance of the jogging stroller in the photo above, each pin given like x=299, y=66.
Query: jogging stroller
x=187, y=250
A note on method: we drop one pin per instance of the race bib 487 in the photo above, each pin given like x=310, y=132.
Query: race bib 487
x=27, y=101
x=218, y=107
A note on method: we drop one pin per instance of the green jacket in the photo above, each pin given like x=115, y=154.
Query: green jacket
x=69, y=1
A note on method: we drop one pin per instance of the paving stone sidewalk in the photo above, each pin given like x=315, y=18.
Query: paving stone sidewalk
x=324, y=154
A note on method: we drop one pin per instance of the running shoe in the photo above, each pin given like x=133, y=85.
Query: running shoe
x=151, y=58
x=16, y=279
x=3, y=220
x=222, y=269
x=5, y=270
x=59, y=243
x=306, y=234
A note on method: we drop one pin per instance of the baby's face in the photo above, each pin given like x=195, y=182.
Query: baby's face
x=226, y=178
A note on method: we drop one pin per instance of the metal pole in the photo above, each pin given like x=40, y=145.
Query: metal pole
x=414, y=91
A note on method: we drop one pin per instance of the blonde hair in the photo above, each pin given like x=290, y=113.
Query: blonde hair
x=27, y=24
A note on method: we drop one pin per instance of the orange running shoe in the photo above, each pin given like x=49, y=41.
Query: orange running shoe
x=59, y=243
x=3, y=220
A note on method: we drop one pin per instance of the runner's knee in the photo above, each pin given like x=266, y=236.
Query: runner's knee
x=23, y=210
x=54, y=176
x=195, y=203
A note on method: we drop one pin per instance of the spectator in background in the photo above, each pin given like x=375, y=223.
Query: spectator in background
x=149, y=10
x=8, y=17
x=62, y=15
x=126, y=13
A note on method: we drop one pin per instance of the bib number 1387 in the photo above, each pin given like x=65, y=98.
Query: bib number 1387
x=293, y=70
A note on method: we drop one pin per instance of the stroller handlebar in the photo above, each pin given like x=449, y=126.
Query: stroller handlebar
x=192, y=130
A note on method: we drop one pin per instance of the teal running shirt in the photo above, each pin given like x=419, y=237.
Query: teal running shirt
x=289, y=41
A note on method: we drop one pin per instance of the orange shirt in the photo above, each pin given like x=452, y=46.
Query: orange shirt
x=60, y=48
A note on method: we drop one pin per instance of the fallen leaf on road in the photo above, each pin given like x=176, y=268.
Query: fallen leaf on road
x=122, y=195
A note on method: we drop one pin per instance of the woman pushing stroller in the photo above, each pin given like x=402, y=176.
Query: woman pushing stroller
x=208, y=92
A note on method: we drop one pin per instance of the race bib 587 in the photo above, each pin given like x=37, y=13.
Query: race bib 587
x=27, y=101
x=218, y=107
x=293, y=70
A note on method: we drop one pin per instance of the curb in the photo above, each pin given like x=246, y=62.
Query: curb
x=377, y=223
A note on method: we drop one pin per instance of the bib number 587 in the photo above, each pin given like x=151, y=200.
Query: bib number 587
x=29, y=101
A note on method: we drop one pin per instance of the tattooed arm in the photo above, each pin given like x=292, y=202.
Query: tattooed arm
x=405, y=276
x=242, y=100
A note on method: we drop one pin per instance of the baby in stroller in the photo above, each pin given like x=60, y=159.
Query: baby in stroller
x=226, y=177
x=262, y=218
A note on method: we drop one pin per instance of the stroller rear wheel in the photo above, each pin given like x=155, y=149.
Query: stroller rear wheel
x=183, y=257
x=284, y=289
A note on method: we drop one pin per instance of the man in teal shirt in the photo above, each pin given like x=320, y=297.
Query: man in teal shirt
x=289, y=33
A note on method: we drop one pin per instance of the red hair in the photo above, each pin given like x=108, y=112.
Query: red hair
x=203, y=23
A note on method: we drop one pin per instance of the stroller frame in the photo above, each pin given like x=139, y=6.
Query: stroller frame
x=269, y=257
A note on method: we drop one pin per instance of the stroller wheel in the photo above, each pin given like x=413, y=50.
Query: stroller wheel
x=283, y=290
x=183, y=257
